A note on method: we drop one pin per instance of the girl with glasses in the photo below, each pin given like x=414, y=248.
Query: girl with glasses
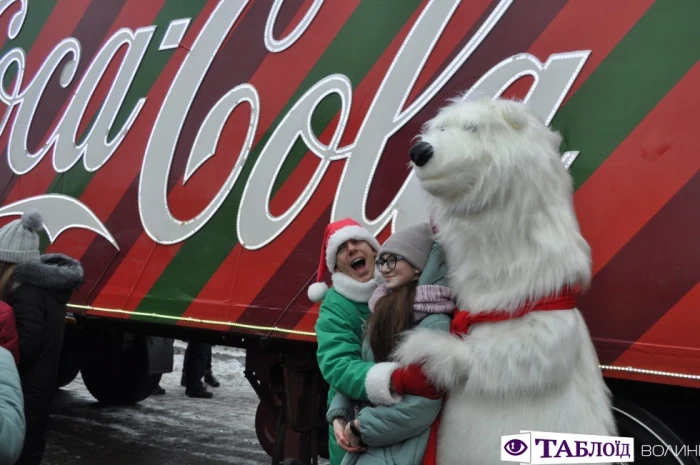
x=397, y=434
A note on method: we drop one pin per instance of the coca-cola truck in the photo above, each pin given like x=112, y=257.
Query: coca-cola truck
x=191, y=152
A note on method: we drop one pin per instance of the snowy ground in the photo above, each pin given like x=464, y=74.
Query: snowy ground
x=163, y=430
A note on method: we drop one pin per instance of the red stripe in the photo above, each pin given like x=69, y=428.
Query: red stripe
x=134, y=15
x=62, y=23
x=670, y=345
x=307, y=323
x=647, y=277
x=448, y=45
x=264, y=263
x=643, y=173
x=300, y=58
x=121, y=177
x=573, y=28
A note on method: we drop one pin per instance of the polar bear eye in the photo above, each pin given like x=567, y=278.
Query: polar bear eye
x=470, y=127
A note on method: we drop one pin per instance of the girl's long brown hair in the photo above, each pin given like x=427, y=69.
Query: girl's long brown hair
x=6, y=270
x=392, y=314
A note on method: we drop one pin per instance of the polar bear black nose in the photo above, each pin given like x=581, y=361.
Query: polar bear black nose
x=421, y=153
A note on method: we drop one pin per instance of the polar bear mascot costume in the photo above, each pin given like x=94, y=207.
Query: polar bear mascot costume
x=520, y=356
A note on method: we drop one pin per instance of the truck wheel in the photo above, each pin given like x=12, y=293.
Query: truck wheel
x=68, y=368
x=647, y=430
x=118, y=374
x=118, y=387
x=265, y=428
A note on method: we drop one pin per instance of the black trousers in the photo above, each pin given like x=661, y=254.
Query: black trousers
x=35, y=437
x=197, y=361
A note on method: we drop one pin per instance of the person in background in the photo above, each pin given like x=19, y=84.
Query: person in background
x=195, y=367
x=39, y=289
x=12, y=422
x=209, y=377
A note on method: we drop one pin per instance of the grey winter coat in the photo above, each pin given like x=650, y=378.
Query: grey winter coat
x=397, y=434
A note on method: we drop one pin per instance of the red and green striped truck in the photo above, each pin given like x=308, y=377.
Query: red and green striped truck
x=191, y=152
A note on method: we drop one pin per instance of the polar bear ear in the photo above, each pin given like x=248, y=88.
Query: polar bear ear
x=514, y=117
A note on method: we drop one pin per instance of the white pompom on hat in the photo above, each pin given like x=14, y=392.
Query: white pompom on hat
x=336, y=234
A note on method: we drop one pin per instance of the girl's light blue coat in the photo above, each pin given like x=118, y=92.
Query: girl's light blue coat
x=12, y=424
x=397, y=434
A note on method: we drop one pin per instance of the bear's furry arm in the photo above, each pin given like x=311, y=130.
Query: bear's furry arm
x=529, y=354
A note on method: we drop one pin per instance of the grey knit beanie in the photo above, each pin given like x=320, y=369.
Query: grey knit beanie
x=413, y=244
x=19, y=240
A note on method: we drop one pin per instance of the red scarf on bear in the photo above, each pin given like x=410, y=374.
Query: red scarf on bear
x=460, y=325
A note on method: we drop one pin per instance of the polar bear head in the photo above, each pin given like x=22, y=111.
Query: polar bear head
x=502, y=202
x=474, y=153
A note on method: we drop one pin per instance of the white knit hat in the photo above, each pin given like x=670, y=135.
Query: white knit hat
x=336, y=234
x=19, y=240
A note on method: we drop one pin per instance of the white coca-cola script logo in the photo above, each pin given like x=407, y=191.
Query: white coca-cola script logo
x=256, y=226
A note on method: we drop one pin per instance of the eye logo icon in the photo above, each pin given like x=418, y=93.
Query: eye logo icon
x=515, y=447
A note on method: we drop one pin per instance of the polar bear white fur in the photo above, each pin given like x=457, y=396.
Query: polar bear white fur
x=503, y=204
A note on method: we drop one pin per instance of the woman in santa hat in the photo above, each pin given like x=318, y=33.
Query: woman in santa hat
x=395, y=434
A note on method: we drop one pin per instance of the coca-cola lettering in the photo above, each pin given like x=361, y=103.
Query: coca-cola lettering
x=96, y=147
x=256, y=226
x=175, y=33
x=14, y=58
x=385, y=117
x=17, y=20
x=552, y=80
x=20, y=160
x=156, y=218
x=279, y=45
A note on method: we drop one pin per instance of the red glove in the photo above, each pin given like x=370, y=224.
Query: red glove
x=411, y=380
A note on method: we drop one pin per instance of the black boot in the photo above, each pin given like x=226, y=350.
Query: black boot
x=158, y=391
x=210, y=379
x=199, y=393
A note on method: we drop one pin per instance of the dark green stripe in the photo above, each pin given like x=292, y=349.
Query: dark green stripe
x=352, y=52
x=74, y=181
x=627, y=85
x=38, y=14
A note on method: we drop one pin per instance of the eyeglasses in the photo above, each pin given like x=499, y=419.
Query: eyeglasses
x=389, y=261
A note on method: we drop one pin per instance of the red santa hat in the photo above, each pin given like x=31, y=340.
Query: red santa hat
x=337, y=233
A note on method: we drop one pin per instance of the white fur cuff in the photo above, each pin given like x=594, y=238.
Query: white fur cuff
x=378, y=384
